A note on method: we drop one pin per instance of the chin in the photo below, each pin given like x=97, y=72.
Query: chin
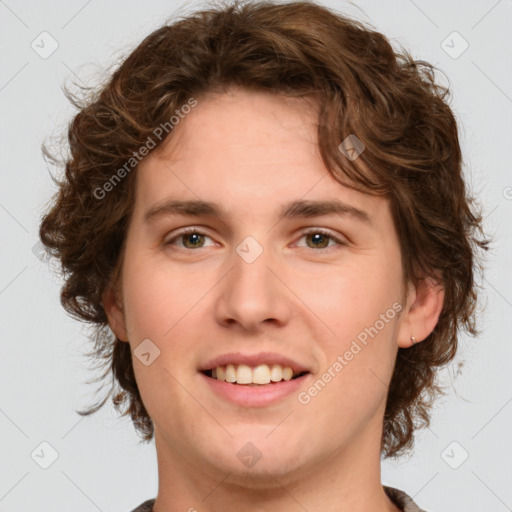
x=271, y=471
x=255, y=459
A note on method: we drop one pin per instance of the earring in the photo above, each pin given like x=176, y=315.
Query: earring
x=413, y=339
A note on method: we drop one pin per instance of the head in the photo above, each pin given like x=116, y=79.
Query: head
x=254, y=108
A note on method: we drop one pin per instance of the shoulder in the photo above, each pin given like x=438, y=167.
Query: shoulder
x=147, y=506
x=402, y=500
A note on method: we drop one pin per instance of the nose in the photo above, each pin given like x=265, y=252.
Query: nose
x=253, y=294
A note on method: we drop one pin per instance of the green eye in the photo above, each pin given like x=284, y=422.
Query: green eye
x=316, y=239
x=319, y=239
x=190, y=238
x=196, y=240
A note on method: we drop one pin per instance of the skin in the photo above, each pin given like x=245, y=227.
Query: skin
x=251, y=153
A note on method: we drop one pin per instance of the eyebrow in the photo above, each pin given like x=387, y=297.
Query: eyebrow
x=295, y=209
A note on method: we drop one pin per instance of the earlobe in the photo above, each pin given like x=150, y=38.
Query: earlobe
x=422, y=311
x=115, y=313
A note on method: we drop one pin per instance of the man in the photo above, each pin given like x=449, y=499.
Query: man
x=255, y=209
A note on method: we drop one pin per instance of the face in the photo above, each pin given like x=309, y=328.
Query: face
x=266, y=274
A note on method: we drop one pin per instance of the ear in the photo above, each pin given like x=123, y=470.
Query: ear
x=115, y=313
x=421, y=313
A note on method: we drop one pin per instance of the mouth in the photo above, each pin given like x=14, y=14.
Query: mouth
x=254, y=380
x=260, y=375
x=254, y=386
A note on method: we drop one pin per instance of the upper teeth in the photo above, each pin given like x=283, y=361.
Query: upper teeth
x=261, y=374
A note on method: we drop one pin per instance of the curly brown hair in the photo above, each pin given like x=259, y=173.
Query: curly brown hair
x=364, y=87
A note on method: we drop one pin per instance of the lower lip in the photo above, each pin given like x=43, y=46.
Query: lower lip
x=259, y=395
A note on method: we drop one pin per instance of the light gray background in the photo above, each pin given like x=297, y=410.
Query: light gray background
x=100, y=466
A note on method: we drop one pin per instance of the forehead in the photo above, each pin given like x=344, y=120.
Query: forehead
x=247, y=151
x=244, y=129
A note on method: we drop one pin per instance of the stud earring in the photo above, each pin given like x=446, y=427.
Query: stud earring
x=413, y=339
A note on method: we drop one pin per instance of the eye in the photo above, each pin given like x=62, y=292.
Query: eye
x=192, y=238
x=320, y=239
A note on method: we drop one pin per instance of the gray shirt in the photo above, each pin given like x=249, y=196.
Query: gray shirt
x=399, y=498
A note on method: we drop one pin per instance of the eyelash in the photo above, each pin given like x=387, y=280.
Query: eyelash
x=313, y=231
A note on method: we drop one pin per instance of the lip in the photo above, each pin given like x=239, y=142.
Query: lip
x=254, y=360
x=259, y=395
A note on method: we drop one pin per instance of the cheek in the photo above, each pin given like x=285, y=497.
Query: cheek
x=156, y=306
x=156, y=296
x=358, y=308
x=350, y=298
x=359, y=350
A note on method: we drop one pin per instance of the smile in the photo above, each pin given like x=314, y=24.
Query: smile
x=255, y=395
x=258, y=375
